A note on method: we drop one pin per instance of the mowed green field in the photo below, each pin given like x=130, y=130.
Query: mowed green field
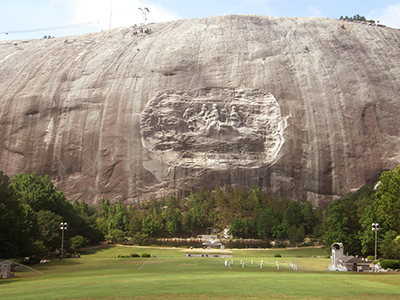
x=98, y=274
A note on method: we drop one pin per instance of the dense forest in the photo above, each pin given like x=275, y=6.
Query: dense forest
x=31, y=210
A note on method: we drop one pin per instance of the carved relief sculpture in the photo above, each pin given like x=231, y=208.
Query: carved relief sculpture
x=243, y=129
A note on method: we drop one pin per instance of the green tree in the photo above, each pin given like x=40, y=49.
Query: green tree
x=104, y=208
x=366, y=235
x=279, y=231
x=139, y=238
x=37, y=192
x=388, y=199
x=240, y=227
x=275, y=223
x=77, y=242
x=136, y=222
x=309, y=218
x=174, y=222
x=119, y=219
x=37, y=248
x=336, y=226
x=293, y=215
x=151, y=227
x=389, y=245
x=49, y=229
x=296, y=235
x=115, y=215
x=194, y=221
x=262, y=225
x=83, y=221
x=14, y=233
x=102, y=225
x=117, y=236
x=348, y=214
x=236, y=229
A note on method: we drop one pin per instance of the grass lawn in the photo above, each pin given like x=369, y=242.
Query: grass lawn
x=168, y=274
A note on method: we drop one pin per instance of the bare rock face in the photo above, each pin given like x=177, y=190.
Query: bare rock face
x=300, y=107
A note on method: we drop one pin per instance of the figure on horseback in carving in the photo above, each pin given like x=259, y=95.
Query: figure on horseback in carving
x=213, y=117
x=234, y=118
x=200, y=122
x=204, y=111
x=212, y=121
x=195, y=122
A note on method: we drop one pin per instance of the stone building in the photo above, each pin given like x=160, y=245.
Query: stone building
x=342, y=262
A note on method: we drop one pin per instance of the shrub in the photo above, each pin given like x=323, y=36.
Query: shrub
x=122, y=256
x=32, y=260
x=134, y=255
x=371, y=257
x=277, y=255
x=145, y=255
x=390, y=264
x=38, y=248
x=77, y=242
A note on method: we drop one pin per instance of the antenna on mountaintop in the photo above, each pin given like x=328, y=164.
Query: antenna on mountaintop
x=144, y=18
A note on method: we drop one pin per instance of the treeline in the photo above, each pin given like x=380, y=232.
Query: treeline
x=248, y=214
x=31, y=210
x=349, y=220
x=356, y=18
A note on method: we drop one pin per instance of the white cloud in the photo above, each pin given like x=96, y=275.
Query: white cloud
x=124, y=12
x=389, y=16
x=314, y=12
x=261, y=5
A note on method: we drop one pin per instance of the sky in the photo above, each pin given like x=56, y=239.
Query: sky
x=34, y=19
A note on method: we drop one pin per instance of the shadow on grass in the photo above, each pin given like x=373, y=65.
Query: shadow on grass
x=95, y=249
x=4, y=281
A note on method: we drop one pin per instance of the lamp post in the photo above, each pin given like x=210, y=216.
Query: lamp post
x=375, y=227
x=63, y=226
